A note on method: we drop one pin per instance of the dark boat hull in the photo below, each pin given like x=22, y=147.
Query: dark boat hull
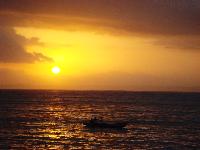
x=105, y=125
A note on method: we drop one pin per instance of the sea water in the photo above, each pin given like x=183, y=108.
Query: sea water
x=49, y=119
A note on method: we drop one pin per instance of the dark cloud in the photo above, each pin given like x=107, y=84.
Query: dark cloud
x=168, y=17
x=12, y=48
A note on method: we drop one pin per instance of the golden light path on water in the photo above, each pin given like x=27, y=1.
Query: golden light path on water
x=63, y=126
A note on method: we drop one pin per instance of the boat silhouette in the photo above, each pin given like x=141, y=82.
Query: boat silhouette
x=96, y=123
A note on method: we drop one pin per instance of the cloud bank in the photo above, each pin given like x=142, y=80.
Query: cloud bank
x=158, y=18
x=12, y=48
x=161, y=17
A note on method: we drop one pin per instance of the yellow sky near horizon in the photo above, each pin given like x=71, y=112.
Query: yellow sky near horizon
x=90, y=60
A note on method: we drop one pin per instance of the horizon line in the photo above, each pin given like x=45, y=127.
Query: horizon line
x=104, y=90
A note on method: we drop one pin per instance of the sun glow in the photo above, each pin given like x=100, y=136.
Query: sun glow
x=55, y=70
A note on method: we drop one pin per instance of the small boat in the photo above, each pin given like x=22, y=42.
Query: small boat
x=95, y=123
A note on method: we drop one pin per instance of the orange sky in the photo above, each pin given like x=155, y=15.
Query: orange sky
x=100, y=45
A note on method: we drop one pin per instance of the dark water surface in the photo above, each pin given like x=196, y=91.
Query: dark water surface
x=33, y=119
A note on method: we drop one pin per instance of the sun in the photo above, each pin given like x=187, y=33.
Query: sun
x=55, y=70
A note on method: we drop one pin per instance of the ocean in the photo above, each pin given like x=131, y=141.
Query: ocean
x=50, y=119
